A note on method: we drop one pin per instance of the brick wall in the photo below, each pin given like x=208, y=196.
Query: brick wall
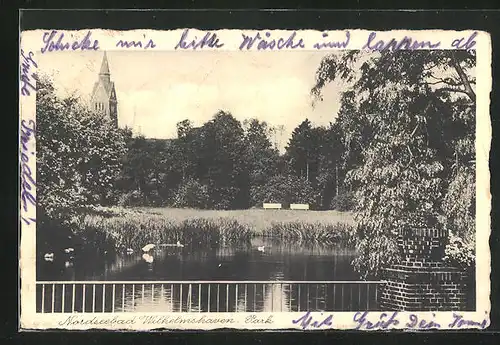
x=421, y=282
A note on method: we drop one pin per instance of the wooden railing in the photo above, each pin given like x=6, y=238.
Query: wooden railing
x=205, y=296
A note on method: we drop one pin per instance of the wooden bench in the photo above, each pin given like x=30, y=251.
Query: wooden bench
x=271, y=206
x=299, y=206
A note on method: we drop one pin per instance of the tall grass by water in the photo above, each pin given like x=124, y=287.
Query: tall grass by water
x=135, y=227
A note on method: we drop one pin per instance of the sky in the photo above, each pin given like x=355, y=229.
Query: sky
x=156, y=90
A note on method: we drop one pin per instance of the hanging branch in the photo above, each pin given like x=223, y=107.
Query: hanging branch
x=463, y=77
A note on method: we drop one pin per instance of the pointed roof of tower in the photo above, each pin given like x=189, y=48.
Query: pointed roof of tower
x=106, y=83
x=104, y=65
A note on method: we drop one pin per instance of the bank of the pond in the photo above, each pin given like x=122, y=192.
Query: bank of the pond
x=135, y=227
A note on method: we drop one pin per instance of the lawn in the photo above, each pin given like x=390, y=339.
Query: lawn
x=255, y=219
x=133, y=227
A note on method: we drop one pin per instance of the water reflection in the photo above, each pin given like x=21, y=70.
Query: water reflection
x=279, y=261
x=205, y=297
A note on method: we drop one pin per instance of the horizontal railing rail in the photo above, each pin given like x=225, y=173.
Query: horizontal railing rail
x=210, y=282
x=205, y=296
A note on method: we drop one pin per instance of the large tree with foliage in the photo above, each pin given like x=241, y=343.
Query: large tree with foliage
x=407, y=124
x=304, y=149
x=221, y=161
x=262, y=159
x=78, y=154
x=331, y=169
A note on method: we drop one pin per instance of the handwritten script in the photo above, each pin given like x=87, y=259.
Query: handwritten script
x=262, y=40
x=27, y=76
x=27, y=181
x=307, y=321
x=56, y=41
x=385, y=321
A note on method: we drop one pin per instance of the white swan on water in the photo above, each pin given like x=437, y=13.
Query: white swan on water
x=148, y=258
x=148, y=247
x=261, y=248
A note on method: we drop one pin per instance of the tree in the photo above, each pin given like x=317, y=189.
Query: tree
x=330, y=171
x=402, y=148
x=262, y=159
x=303, y=150
x=222, y=161
x=78, y=155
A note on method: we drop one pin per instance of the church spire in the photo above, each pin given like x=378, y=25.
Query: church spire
x=104, y=65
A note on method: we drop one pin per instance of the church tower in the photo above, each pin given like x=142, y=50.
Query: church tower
x=104, y=95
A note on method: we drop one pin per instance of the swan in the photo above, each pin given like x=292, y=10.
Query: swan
x=261, y=249
x=148, y=258
x=130, y=251
x=69, y=250
x=68, y=264
x=49, y=257
x=178, y=244
x=148, y=247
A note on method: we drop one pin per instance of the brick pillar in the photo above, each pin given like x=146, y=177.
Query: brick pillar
x=421, y=282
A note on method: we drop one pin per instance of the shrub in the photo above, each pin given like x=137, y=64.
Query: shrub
x=460, y=253
x=192, y=194
x=344, y=202
x=284, y=189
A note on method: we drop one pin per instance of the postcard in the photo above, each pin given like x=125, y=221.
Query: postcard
x=254, y=179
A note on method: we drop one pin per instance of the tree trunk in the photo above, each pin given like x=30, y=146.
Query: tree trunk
x=336, y=179
x=468, y=88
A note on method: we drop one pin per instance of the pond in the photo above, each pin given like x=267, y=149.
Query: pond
x=169, y=273
x=278, y=261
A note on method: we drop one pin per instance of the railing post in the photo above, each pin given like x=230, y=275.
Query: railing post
x=133, y=297
x=172, y=297
x=83, y=298
x=298, y=298
x=227, y=297
x=103, y=298
x=63, y=297
x=180, y=299
x=73, y=290
x=218, y=293
x=246, y=292
x=189, y=296
x=236, y=298
x=334, y=294
x=123, y=297
x=208, y=297
x=53, y=296
x=93, y=298
x=43, y=298
x=199, y=298
x=113, y=299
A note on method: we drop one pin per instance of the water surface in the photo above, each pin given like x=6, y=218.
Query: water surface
x=169, y=273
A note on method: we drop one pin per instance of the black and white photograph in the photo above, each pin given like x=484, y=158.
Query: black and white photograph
x=256, y=182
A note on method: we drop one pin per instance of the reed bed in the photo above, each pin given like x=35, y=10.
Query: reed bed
x=136, y=227
x=328, y=234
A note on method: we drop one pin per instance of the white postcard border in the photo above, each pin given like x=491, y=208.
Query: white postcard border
x=32, y=42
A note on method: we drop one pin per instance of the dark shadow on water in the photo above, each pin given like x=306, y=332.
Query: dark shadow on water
x=237, y=262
